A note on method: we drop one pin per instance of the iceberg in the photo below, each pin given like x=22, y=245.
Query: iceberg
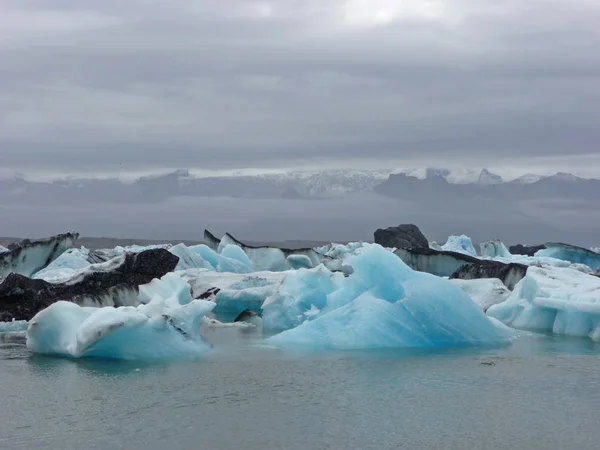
x=113, y=283
x=271, y=259
x=3, y=249
x=494, y=249
x=385, y=304
x=29, y=257
x=164, y=328
x=552, y=299
x=572, y=254
x=460, y=244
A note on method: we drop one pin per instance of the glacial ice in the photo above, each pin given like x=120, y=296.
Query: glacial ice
x=203, y=257
x=15, y=326
x=435, y=246
x=166, y=327
x=3, y=249
x=484, y=291
x=460, y=244
x=120, y=250
x=383, y=304
x=299, y=262
x=233, y=293
x=31, y=257
x=494, y=249
x=300, y=292
x=551, y=299
x=340, y=251
x=65, y=266
x=574, y=255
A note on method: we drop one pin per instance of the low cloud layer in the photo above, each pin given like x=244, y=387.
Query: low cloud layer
x=95, y=86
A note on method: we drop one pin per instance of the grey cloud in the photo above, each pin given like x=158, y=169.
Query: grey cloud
x=212, y=84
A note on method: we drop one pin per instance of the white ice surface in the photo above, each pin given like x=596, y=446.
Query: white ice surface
x=551, y=299
x=484, y=291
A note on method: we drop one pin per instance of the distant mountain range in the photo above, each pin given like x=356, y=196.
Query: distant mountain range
x=438, y=183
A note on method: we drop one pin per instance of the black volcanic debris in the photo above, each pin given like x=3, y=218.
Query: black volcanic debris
x=402, y=236
x=458, y=265
x=527, y=250
x=21, y=297
x=509, y=274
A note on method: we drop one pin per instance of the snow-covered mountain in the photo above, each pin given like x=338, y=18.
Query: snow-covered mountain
x=295, y=185
x=455, y=175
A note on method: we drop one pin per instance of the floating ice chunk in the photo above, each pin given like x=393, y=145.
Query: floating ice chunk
x=3, y=249
x=299, y=262
x=560, y=300
x=460, y=244
x=14, y=326
x=494, y=249
x=575, y=255
x=164, y=328
x=484, y=291
x=386, y=304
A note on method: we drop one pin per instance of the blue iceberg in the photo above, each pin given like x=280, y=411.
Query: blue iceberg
x=552, y=299
x=460, y=244
x=165, y=327
x=383, y=304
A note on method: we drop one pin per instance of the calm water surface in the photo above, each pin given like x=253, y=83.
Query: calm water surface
x=541, y=393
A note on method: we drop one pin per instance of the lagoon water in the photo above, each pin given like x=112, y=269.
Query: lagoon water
x=541, y=393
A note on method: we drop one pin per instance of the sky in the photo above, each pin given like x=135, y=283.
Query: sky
x=216, y=85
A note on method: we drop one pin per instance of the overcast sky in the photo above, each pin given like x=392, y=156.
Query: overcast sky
x=226, y=84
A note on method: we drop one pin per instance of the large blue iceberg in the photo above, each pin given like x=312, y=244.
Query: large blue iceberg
x=383, y=304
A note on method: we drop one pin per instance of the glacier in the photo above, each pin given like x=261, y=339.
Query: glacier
x=553, y=299
x=166, y=327
x=460, y=244
x=385, y=304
